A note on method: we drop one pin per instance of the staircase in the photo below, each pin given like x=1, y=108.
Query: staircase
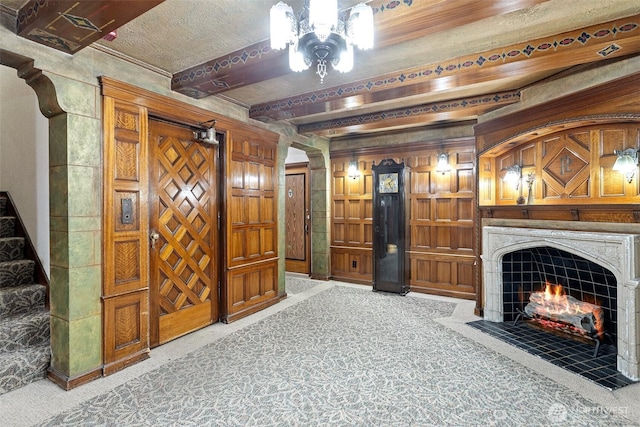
x=24, y=321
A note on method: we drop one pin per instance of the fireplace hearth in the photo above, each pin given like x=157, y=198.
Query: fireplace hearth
x=597, y=270
x=573, y=355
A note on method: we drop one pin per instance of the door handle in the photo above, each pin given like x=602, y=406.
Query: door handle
x=154, y=236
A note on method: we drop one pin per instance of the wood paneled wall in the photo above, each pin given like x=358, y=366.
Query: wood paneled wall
x=249, y=216
x=568, y=167
x=351, y=221
x=126, y=253
x=251, y=223
x=442, y=223
x=441, y=242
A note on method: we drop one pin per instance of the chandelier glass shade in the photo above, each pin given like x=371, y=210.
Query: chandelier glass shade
x=321, y=34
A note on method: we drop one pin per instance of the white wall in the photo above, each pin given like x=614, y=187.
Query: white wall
x=24, y=157
x=296, y=155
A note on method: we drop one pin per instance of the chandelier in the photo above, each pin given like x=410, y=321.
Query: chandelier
x=321, y=34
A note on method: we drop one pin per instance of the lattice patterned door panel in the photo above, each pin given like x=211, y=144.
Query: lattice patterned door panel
x=184, y=214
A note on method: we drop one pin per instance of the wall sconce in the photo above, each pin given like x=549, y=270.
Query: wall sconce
x=627, y=162
x=530, y=178
x=513, y=175
x=443, y=165
x=208, y=136
x=353, y=171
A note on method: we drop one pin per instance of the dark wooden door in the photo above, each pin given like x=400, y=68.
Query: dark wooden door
x=297, y=221
x=183, y=218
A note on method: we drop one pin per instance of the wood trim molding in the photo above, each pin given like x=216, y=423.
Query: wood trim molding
x=616, y=217
x=68, y=383
x=301, y=165
x=615, y=101
x=175, y=110
x=410, y=147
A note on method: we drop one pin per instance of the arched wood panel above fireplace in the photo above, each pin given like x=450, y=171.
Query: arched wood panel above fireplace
x=565, y=145
x=566, y=167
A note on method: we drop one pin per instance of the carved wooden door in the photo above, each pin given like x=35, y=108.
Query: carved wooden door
x=183, y=230
x=297, y=223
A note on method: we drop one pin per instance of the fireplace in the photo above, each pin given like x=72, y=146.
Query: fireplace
x=596, y=267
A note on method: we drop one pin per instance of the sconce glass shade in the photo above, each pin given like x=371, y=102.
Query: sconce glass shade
x=513, y=175
x=443, y=163
x=353, y=171
x=627, y=162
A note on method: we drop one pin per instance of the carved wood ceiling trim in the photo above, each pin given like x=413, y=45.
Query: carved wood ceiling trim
x=586, y=45
x=413, y=116
x=71, y=25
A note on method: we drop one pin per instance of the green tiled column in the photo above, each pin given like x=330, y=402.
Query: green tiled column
x=320, y=215
x=75, y=200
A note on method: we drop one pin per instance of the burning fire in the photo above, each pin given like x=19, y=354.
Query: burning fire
x=555, y=305
x=557, y=302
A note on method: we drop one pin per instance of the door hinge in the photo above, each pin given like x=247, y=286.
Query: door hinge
x=219, y=291
x=218, y=221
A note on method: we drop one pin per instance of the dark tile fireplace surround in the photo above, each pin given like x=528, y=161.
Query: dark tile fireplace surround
x=526, y=268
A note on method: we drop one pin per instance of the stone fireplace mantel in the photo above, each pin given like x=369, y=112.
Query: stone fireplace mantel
x=617, y=251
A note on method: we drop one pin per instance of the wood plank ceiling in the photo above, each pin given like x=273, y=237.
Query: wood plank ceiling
x=434, y=61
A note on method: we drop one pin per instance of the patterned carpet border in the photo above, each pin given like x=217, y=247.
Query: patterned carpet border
x=347, y=357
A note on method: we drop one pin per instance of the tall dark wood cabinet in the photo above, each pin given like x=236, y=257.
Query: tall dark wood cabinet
x=389, y=227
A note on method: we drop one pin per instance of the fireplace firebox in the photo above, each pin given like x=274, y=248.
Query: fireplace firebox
x=561, y=292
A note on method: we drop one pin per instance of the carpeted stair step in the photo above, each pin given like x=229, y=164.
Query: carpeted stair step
x=16, y=273
x=11, y=248
x=7, y=226
x=23, y=366
x=24, y=330
x=25, y=351
x=21, y=299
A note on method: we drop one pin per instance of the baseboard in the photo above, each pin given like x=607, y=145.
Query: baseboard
x=119, y=365
x=67, y=383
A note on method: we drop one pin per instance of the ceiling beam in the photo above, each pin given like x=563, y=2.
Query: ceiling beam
x=586, y=45
x=71, y=25
x=412, y=116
